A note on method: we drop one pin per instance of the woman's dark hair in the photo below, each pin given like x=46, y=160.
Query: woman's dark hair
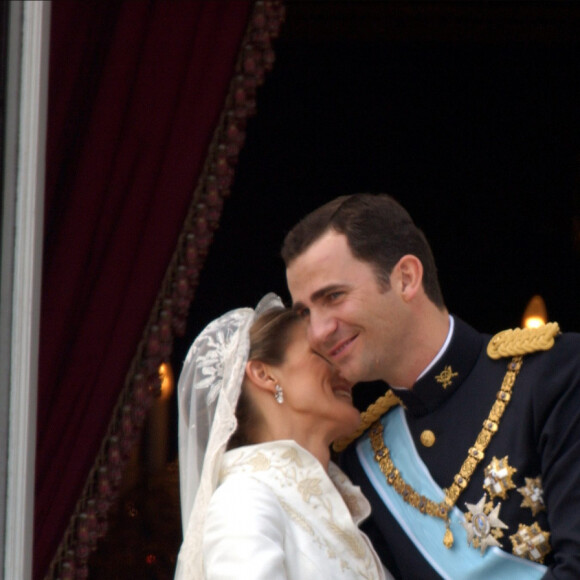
x=379, y=231
x=270, y=337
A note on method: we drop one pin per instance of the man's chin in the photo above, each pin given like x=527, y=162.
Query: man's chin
x=350, y=373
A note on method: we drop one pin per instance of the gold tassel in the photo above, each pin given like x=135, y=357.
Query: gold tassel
x=448, y=537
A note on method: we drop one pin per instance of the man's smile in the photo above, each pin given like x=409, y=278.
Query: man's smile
x=342, y=347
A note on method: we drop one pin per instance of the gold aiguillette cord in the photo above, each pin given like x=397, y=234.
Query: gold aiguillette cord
x=461, y=480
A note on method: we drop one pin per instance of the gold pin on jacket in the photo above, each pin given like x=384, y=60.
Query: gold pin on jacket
x=446, y=376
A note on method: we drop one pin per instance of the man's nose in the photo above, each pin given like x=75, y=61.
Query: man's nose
x=320, y=328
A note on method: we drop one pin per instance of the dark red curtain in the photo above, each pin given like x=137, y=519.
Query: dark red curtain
x=136, y=92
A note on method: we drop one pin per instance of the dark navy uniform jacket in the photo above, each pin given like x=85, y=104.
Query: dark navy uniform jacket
x=539, y=434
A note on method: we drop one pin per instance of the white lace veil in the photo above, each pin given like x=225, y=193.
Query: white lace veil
x=208, y=391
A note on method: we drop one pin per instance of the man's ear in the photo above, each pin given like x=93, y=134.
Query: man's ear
x=259, y=373
x=409, y=276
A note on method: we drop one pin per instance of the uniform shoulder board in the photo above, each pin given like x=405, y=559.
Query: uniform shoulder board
x=520, y=341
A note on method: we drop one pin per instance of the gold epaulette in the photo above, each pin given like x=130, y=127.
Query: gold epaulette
x=374, y=412
x=520, y=341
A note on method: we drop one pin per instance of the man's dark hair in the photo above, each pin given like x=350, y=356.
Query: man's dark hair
x=379, y=231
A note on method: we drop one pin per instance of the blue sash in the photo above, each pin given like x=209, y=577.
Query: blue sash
x=426, y=532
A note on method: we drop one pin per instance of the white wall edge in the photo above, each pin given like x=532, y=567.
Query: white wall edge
x=33, y=95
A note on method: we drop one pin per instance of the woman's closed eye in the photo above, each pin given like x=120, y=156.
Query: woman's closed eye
x=304, y=313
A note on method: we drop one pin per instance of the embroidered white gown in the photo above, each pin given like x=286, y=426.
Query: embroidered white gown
x=277, y=515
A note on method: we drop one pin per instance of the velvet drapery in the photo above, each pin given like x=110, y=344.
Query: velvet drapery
x=137, y=91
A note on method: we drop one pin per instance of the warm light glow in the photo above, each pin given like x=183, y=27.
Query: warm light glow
x=166, y=376
x=534, y=322
x=535, y=314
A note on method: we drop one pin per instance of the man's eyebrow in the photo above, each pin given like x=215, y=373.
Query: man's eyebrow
x=318, y=295
x=326, y=290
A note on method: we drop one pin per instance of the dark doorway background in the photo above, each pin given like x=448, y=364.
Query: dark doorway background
x=468, y=113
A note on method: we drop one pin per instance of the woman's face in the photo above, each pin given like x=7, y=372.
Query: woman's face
x=315, y=396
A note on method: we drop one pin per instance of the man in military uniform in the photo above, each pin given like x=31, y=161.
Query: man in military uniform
x=471, y=459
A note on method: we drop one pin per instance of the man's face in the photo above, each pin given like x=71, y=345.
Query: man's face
x=353, y=321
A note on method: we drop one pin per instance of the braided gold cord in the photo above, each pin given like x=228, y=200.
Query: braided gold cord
x=373, y=413
x=520, y=341
x=490, y=426
x=475, y=455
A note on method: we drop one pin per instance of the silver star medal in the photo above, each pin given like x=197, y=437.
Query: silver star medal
x=482, y=524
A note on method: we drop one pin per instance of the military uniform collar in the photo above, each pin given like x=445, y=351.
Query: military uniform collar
x=444, y=377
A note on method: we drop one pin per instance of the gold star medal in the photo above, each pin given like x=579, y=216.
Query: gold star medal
x=498, y=478
x=482, y=524
x=533, y=493
x=531, y=542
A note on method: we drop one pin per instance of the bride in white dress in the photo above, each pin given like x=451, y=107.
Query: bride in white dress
x=260, y=497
